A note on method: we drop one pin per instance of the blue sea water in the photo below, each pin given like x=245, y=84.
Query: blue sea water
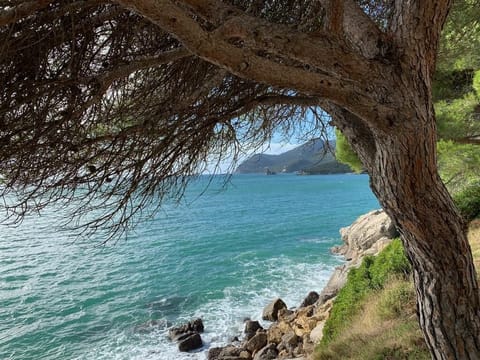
x=221, y=256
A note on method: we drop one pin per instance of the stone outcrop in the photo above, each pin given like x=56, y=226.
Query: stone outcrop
x=368, y=235
x=251, y=328
x=311, y=299
x=190, y=341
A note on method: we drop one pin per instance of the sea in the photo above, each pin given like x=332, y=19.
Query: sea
x=221, y=254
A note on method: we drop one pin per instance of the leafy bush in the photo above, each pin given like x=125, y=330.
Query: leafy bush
x=372, y=274
x=468, y=201
x=391, y=260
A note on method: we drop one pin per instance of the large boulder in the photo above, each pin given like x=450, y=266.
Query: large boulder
x=257, y=342
x=229, y=352
x=214, y=353
x=335, y=283
x=187, y=335
x=251, y=328
x=190, y=342
x=311, y=299
x=317, y=333
x=269, y=352
x=290, y=341
x=368, y=233
x=270, y=312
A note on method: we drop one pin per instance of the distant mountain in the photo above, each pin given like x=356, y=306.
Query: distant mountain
x=309, y=158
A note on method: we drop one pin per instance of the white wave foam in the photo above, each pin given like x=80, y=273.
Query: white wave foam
x=223, y=317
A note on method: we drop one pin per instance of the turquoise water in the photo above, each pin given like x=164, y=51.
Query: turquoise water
x=221, y=256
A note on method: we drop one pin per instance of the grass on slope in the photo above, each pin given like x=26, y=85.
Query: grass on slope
x=374, y=315
x=385, y=328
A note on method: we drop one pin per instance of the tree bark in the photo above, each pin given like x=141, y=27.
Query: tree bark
x=403, y=173
x=435, y=240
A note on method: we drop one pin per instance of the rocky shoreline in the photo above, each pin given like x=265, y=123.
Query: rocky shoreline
x=293, y=332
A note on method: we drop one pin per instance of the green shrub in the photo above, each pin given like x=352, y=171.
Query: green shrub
x=391, y=260
x=372, y=274
x=468, y=201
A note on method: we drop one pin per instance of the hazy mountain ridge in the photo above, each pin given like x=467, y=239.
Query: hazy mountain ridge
x=311, y=158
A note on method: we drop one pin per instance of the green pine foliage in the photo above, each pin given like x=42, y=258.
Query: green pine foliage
x=459, y=119
x=468, y=201
x=345, y=154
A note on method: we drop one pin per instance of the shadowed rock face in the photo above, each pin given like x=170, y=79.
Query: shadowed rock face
x=270, y=312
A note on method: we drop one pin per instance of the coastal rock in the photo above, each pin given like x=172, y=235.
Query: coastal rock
x=294, y=333
x=269, y=352
x=245, y=355
x=228, y=353
x=192, y=326
x=317, y=333
x=270, y=312
x=277, y=330
x=251, y=328
x=311, y=299
x=290, y=341
x=214, y=353
x=191, y=342
x=335, y=283
x=368, y=230
x=368, y=235
x=257, y=342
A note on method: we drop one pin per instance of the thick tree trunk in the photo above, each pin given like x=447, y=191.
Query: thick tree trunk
x=407, y=184
x=399, y=153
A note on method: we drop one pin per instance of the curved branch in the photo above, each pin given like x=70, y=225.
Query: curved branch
x=472, y=140
x=325, y=50
x=125, y=70
x=362, y=31
x=244, y=63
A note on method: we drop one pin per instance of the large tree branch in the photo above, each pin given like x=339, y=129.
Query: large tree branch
x=362, y=32
x=325, y=50
x=472, y=140
x=141, y=64
x=214, y=48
